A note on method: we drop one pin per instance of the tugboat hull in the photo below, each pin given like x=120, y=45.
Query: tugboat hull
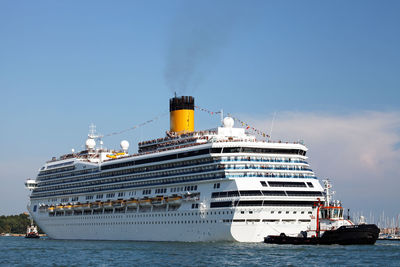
x=32, y=235
x=364, y=234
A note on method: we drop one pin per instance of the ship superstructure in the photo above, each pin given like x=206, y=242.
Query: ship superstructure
x=214, y=185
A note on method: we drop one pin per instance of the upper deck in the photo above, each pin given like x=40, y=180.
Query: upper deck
x=232, y=139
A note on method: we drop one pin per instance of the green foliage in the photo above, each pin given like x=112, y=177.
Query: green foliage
x=15, y=224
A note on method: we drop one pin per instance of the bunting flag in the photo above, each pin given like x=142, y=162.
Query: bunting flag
x=137, y=125
x=244, y=124
x=208, y=111
x=249, y=127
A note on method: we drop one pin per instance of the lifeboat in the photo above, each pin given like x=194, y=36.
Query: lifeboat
x=145, y=202
x=51, y=209
x=77, y=206
x=59, y=208
x=108, y=204
x=132, y=203
x=68, y=206
x=174, y=200
x=158, y=201
x=115, y=155
x=96, y=205
x=85, y=206
x=118, y=203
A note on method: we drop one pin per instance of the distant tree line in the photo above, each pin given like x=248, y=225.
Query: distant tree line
x=15, y=224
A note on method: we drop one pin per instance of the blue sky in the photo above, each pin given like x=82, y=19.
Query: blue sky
x=65, y=64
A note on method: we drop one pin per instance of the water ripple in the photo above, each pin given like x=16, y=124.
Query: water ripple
x=18, y=251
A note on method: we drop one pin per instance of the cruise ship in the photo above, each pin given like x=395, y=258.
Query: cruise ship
x=213, y=185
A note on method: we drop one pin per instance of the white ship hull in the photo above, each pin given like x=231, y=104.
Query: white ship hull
x=183, y=228
x=241, y=224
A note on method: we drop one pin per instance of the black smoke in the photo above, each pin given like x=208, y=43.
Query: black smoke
x=198, y=36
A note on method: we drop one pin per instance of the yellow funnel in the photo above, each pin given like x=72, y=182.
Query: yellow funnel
x=181, y=110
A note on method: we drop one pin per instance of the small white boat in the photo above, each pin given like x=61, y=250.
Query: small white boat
x=118, y=203
x=32, y=231
x=132, y=203
x=158, y=201
x=174, y=200
x=145, y=202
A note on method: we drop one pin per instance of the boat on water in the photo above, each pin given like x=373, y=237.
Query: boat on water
x=330, y=227
x=363, y=234
x=32, y=231
x=391, y=237
x=221, y=184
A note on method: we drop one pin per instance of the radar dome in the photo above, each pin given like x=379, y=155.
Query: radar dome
x=90, y=143
x=124, y=145
x=228, y=122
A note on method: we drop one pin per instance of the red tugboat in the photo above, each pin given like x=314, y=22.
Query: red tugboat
x=330, y=227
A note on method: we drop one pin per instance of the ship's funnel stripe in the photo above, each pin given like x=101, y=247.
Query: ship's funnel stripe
x=181, y=114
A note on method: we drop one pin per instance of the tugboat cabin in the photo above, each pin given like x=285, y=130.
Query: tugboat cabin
x=331, y=213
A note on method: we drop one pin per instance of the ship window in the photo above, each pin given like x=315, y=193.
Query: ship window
x=310, y=184
x=216, y=150
x=274, y=193
x=286, y=184
x=304, y=193
x=247, y=203
x=231, y=150
x=336, y=213
x=146, y=191
x=263, y=183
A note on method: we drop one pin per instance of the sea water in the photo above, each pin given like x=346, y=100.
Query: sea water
x=18, y=251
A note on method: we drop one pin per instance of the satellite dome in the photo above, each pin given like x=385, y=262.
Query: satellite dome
x=228, y=122
x=90, y=143
x=124, y=145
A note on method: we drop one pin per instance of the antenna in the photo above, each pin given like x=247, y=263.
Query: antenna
x=101, y=143
x=328, y=193
x=272, y=125
x=92, y=131
x=222, y=116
